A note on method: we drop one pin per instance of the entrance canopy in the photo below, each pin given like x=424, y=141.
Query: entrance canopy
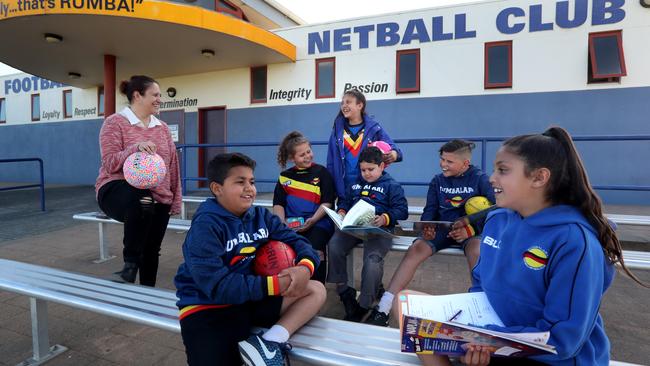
x=66, y=40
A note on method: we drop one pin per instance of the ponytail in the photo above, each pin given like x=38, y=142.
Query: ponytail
x=288, y=147
x=569, y=183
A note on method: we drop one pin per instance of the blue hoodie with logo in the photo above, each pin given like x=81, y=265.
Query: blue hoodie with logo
x=386, y=194
x=547, y=272
x=447, y=195
x=219, y=250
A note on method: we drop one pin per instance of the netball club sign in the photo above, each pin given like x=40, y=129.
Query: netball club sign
x=511, y=20
x=16, y=7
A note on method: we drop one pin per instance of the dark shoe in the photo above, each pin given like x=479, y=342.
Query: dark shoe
x=376, y=317
x=127, y=274
x=353, y=311
x=256, y=351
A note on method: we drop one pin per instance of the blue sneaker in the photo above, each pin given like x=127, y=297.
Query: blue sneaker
x=256, y=351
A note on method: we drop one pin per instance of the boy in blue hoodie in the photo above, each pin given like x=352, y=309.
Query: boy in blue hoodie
x=220, y=298
x=448, y=192
x=382, y=191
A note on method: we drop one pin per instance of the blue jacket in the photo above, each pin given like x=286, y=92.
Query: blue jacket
x=385, y=194
x=547, y=272
x=336, y=151
x=447, y=195
x=219, y=250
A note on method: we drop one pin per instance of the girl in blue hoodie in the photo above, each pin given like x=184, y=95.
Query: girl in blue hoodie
x=547, y=257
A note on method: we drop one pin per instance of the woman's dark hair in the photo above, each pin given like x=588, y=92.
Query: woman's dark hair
x=288, y=147
x=569, y=183
x=371, y=154
x=139, y=83
x=359, y=97
x=458, y=147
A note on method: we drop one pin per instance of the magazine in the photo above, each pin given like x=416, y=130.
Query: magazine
x=420, y=333
x=358, y=221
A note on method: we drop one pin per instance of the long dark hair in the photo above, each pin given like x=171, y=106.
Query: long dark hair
x=359, y=97
x=569, y=183
x=288, y=147
x=137, y=83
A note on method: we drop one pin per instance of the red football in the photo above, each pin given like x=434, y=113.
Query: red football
x=273, y=257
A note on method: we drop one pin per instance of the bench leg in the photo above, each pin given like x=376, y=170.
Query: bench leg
x=103, y=249
x=40, y=339
x=182, y=210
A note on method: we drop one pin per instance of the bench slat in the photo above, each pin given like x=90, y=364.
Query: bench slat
x=97, y=293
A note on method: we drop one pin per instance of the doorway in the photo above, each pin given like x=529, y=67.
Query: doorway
x=212, y=130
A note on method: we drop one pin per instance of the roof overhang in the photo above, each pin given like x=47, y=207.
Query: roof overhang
x=155, y=38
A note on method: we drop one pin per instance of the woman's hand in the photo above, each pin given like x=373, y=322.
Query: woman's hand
x=147, y=146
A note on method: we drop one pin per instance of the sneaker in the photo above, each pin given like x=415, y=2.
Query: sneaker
x=256, y=351
x=376, y=317
x=353, y=311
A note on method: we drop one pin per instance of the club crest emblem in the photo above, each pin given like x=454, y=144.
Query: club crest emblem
x=535, y=258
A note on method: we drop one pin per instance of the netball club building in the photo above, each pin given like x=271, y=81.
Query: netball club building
x=249, y=72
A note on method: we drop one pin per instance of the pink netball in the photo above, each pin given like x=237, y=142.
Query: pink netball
x=381, y=145
x=143, y=170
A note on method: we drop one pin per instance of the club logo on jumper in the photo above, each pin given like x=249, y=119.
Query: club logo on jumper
x=287, y=183
x=246, y=238
x=315, y=181
x=455, y=201
x=244, y=253
x=535, y=258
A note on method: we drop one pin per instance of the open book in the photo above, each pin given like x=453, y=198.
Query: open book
x=439, y=324
x=358, y=221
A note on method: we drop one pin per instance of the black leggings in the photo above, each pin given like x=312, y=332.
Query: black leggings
x=144, y=224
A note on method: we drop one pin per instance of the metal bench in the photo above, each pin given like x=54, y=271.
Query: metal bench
x=322, y=341
x=102, y=220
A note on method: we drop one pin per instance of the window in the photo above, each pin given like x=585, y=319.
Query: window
x=325, y=77
x=498, y=65
x=3, y=110
x=606, y=58
x=408, y=71
x=67, y=104
x=228, y=8
x=36, y=107
x=100, y=101
x=258, y=84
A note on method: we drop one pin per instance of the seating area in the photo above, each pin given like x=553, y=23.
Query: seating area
x=321, y=341
x=633, y=259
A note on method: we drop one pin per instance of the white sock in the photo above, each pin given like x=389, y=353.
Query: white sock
x=277, y=333
x=386, y=303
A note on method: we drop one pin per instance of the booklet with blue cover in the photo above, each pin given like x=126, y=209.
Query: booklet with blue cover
x=439, y=324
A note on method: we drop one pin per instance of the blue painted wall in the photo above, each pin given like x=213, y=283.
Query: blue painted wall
x=71, y=153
